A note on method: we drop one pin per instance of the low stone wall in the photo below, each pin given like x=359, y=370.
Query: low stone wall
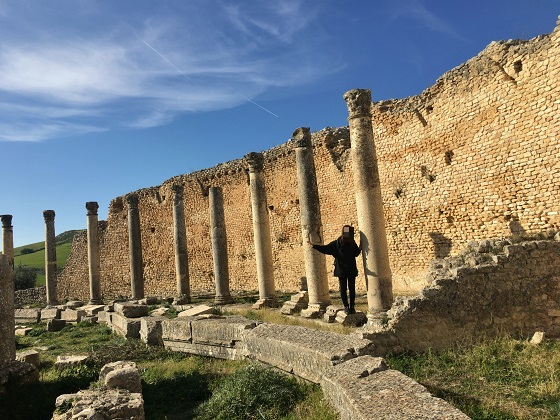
x=31, y=296
x=492, y=288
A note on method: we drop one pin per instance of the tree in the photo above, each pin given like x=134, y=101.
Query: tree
x=25, y=251
x=24, y=277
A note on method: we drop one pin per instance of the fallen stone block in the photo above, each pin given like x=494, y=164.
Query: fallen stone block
x=50, y=313
x=104, y=317
x=351, y=320
x=330, y=313
x=219, y=352
x=29, y=356
x=92, y=310
x=305, y=352
x=197, y=310
x=363, y=386
x=23, y=331
x=220, y=331
x=74, y=304
x=27, y=316
x=121, y=375
x=537, y=338
x=63, y=362
x=159, y=312
x=127, y=327
x=177, y=329
x=150, y=330
x=152, y=300
x=130, y=310
x=89, y=319
x=55, y=325
x=71, y=315
x=296, y=303
x=120, y=404
x=16, y=373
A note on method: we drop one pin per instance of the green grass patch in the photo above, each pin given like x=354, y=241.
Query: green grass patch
x=497, y=379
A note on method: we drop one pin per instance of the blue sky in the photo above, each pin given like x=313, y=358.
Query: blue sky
x=100, y=98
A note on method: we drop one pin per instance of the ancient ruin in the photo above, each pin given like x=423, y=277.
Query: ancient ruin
x=8, y=237
x=180, y=247
x=93, y=252
x=50, y=258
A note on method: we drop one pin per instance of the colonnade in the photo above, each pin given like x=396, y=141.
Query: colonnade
x=370, y=219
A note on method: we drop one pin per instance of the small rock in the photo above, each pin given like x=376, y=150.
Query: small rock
x=54, y=325
x=537, y=338
x=23, y=331
x=121, y=375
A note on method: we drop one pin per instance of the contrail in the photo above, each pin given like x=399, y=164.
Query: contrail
x=194, y=83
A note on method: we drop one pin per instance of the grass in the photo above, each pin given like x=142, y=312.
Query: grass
x=173, y=384
x=497, y=379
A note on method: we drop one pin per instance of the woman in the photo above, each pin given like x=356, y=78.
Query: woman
x=344, y=250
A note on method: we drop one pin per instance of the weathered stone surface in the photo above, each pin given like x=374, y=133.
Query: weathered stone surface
x=104, y=316
x=17, y=373
x=150, y=330
x=54, y=325
x=159, y=312
x=197, y=310
x=307, y=353
x=93, y=309
x=351, y=320
x=27, y=316
x=50, y=313
x=103, y=404
x=220, y=331
x=74, y=304
x=177, y=329
x=220, y=352
x=89, y=319
x=127, y=327
x=330, y=313
x=71, y=315
x=23, y=330
x=537, y=338
x=296, y=303
x=29, y=356
x=122, y=375
x=363, y=386
x=63, y=362
x=131, y=310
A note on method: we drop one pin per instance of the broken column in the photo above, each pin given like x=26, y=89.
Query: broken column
x=135, y=248
x=261, y=232
x=93, y=253
x=50, y=257
x=7, y=323
x=219, y=245
x=180, y=247
x=8, y=237
x=369, y=204
x=311, y=226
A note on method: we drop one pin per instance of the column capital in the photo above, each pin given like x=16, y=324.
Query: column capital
x=48, y=215
x=132, y=200
x=92, y=207
x=301, y=137
x=358, y=102
x=255, y=161
x=6, y=220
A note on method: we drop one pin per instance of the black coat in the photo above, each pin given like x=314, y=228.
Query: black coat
x=344, y=256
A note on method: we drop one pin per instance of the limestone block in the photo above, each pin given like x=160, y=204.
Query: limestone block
x=150, y=330
x=92, y=310
x=121, y=404
x=127, y=327
x=17, y=373
x=537, y=338
x=220, y=331
x=63, y=362
x=121, y=375
x=29, y=356
x=104, y=317
x=27, y=316
x=197, y=310
x=362, y=386
x=89, y=319
x=177, y=329
x=50, y=313
x=71, y=315
x=74, y=304
x=307, y=353
x=351, y=320
x=54, y=325
x=159, y=312
x=330, y=313
x=23, y=331
x=130, y=310
x=220, y=352
x=296, y=303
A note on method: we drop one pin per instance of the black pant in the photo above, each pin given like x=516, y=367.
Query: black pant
x=347, y=282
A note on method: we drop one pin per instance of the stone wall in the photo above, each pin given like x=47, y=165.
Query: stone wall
x=493, y=288
x=31, y=296
x=476, y=155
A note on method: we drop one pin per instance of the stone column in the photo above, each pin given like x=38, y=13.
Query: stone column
x=93, y=253
x=50, y=257
x=219, y=245
x=180, y=247
x=8, y=237
x=135, y=248
x=369, y=204
x=261, y=232
x=311, y=226
x=7, y=323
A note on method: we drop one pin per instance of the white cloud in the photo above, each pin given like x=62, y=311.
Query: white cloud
x=416, y=10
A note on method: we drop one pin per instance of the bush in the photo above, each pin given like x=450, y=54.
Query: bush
x=253, y=392
x=26, y=251
x=24, y=277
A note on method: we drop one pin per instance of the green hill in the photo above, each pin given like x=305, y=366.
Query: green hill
x=33, y=255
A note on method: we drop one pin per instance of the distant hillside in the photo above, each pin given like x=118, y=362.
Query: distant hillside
x=33, y=255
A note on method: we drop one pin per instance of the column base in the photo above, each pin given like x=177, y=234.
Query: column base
x=265, y=303
x=377, y=319
x=223, y=300
x=182, y=300
x=95, y=302
x=314, y=310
